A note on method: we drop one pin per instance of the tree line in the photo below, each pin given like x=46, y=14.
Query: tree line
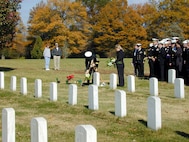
x=95, y=24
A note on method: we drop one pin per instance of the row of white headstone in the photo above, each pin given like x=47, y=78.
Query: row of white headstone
x=154, y=105
x=39, y=132
x=96, y=81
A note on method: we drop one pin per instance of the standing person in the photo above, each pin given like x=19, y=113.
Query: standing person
x=47, y=56
x=154, y=58
x=151, y=59
x=134, y=60
x=161, y=61
x=56, y=53
x=140, y=60
x=186, y=62
x=120, y=64
x=179, y=60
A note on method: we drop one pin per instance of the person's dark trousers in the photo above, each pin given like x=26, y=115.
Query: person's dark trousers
x=135, y=69
x=140, y=70
x=151, y=66
x=162, y=72
x=120, y=69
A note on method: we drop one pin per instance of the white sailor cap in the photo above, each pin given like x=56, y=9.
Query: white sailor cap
x=166, y=42
x=88, y=54
x=173, y=41
x=185, y=42
x=175, y=38
x=151, y=44
x=138, y=44
x=161, y=42
x=168, y=39
x=155, y=39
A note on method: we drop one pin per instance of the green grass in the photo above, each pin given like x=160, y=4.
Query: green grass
x=63, y=118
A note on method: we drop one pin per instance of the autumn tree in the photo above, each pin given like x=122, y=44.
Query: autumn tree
x=64, y=22
x=165, y=18
x=93, y=8
x=19, y=42
x=118, y=23
x=9, y=17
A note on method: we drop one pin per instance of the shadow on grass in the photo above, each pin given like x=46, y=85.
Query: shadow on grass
x=86, y=106
x=6, y=69
x=112, y=112
x=143, y=122
x=183, y=134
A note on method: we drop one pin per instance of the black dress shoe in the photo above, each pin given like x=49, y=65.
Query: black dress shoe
x=120, y=85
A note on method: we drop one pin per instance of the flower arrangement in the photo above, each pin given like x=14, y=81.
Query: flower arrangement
x=87, y=75
x=111, y=62
x=69, y=77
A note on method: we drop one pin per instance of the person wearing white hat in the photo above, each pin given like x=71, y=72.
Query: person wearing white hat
x=134, y=60
x=91, y=65
x=155, y=52
x=151, y=59
x=186, y=62
x=161, y=61
x=140, y=60
x=167, y=47
x=179, y=60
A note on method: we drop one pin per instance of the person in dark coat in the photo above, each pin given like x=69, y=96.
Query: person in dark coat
x=140, y=60
x=167, y=59
x=151, y=59
x=154, y=57
x=134, y=60
x=186, y=62
x=91, y=64
x=120, y=64
x=161, y=61
x=179, y=60
x=56, y=53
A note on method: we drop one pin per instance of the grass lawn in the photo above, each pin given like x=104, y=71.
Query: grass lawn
x=63, y=118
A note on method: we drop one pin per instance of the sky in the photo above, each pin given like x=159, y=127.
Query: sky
x=27, y=5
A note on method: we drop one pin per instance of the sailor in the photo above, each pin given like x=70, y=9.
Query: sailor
x=140, y=60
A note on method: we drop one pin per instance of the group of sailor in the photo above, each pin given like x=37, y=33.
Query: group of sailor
x=162, y=55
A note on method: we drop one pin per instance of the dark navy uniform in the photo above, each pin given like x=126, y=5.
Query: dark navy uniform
x=186, y=64
x=151, y=60
x=120, y=67
x=161, y=63
x=140, y=62
x=134, y=61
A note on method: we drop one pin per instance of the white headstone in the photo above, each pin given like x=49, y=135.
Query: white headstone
x=120, y=103
x=153, y=86
x=179, y=88
x=96, y=78
x=23, y=86
x=53, y=91
x=131, y=83
x=113, y=81
x=171, y=76
x=154, y=113
x=85, y=133
x=72, y=97
x=13, y=83
x=2, y=80
x=39, y=130
x=38, y=88
x=8, y=125
x=93, y=97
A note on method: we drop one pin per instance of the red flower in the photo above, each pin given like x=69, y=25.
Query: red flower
x=69, y=77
